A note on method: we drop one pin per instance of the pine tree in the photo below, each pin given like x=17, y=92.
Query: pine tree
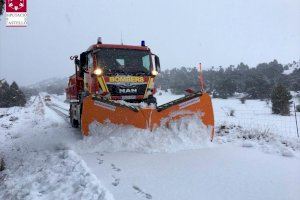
x=17, y=98
x=281, y=100
x=1, y=7
x=225, y=88
x=4, y=94
x=11, y=95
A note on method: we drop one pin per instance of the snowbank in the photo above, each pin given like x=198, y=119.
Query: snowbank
x=33, y=141
x=187, y=133
x=50, y=175
x=260, y=138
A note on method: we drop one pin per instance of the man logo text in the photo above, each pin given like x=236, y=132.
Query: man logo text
x=124, y=91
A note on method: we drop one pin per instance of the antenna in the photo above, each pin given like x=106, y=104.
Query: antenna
x=121, y=38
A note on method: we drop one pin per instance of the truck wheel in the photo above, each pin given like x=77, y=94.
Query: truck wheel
x=74, y=123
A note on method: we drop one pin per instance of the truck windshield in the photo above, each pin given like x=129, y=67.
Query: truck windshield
x=124, y=61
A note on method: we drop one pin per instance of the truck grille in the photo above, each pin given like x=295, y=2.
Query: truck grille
x=122, y=90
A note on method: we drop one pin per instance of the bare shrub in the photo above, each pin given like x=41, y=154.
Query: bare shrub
x=231, y=113
x=298, y=108
x=257, y=134
x=243, y=100
x=2, y=164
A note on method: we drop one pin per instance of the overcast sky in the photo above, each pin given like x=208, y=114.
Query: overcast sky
x=181, y=33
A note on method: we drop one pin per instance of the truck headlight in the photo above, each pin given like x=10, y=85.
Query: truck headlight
x=154, y=72
x=98, y=71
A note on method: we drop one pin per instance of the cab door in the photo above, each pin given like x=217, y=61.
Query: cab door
x=90, y=79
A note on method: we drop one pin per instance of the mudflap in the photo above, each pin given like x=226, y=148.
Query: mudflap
x=100, y=110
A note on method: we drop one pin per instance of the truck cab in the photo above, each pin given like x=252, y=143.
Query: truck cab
x=112, y=72
x=118, y=72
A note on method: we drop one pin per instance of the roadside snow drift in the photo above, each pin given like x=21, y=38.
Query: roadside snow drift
x=38, y=165
x=264, y=140
x=50, y=175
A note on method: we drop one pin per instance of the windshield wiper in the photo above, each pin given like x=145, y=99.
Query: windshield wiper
x=114, y=72
x=122, y=72
x=141, y=72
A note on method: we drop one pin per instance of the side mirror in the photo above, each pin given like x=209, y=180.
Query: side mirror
x=83, y=59
x=157, y=63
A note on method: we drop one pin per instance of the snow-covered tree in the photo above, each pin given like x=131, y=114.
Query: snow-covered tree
x=1, y=7
x=11, y=95
x=16, y=96
x=281, y=100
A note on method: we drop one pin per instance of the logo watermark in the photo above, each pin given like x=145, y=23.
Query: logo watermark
x=16, y=13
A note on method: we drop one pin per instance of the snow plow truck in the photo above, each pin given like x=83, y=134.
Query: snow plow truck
x=113, y=82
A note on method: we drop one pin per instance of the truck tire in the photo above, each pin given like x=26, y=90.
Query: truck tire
x=74, y=123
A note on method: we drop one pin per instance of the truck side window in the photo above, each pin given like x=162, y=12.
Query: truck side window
x=146, y=62
x=90, y=60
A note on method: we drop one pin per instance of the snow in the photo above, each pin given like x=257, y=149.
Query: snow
x=254, y=114
x=266, y=141
x=293, y=66
x=253, y=156
x=39, y=164
x=188, y=133
x=60, y=100
x=165, y=97
x=224, y=172
x=50, y=175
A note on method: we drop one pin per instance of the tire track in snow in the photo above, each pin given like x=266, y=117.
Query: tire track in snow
x=59, y=112
x=66, y=117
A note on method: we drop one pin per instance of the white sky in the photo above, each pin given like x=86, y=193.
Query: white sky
x=182, y=33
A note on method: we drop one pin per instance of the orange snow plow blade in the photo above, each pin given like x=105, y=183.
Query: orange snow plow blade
x=100, y=110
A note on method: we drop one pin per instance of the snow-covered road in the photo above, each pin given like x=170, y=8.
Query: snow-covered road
x=224, y=172
x=41, y=150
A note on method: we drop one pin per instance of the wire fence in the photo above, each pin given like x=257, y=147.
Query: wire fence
x=259, y=119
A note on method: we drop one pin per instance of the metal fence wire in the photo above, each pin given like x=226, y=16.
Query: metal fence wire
x=259, y=119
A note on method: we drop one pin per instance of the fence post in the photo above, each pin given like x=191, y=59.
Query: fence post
x=296, y=119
